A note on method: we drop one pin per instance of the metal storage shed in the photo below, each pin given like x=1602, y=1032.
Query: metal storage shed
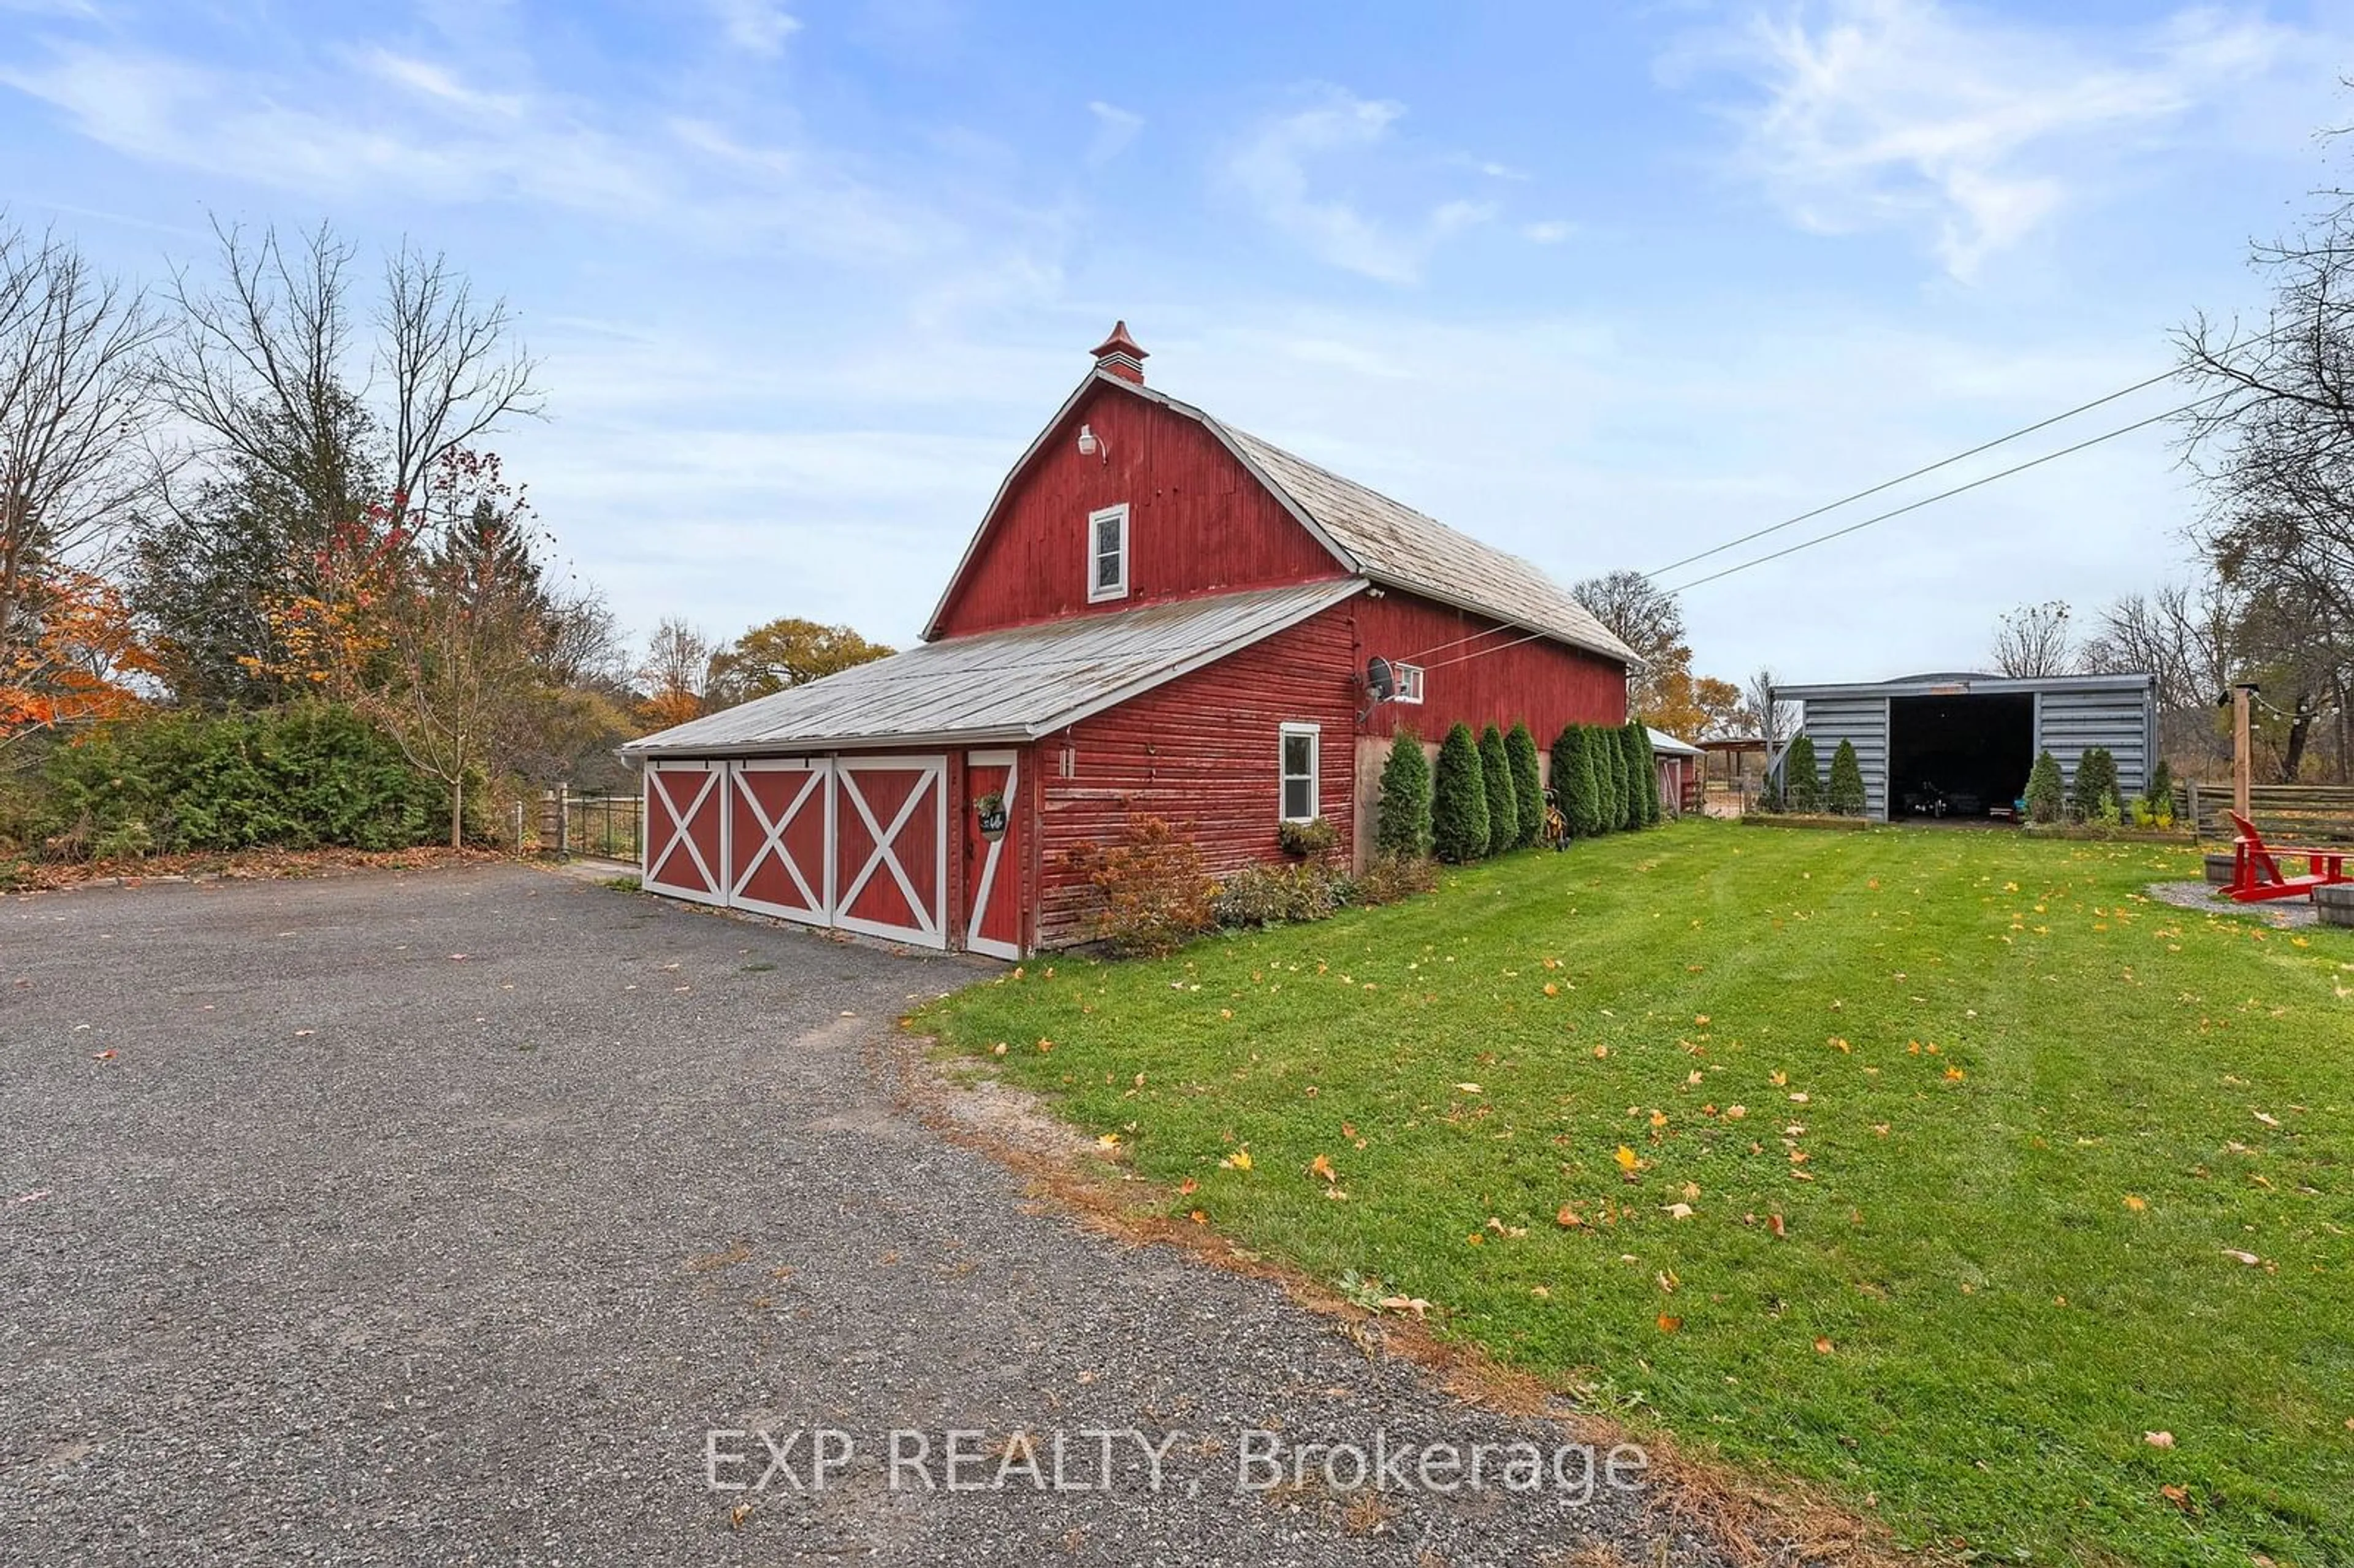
x=1968, y=739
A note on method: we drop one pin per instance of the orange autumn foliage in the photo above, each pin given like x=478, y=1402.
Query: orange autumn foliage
x=80, y=667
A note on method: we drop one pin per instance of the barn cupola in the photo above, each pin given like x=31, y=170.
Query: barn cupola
x=1120, y=355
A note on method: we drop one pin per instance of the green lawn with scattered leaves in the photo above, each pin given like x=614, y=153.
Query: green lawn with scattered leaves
x=1941, y=1167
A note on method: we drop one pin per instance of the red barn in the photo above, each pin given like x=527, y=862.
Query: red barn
x=1158, y=613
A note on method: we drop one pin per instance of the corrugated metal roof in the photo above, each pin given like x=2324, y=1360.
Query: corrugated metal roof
x=1394, y=544
x=1009, y=685
x=1966, y=684
x=1662, y=741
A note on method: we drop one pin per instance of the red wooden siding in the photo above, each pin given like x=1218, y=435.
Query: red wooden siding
x=1541, y=681
x=1198, y=522
x=685, y=804
x=1204, y=752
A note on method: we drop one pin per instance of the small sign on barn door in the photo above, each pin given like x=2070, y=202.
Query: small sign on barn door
x=992, y=859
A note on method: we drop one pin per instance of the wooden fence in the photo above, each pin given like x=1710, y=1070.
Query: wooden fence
x=2293, y=813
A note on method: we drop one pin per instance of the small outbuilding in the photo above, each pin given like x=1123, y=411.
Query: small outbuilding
x=1961, y=745
x=1678, y=764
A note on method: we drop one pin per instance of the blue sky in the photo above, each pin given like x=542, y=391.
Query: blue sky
x=1602, y=284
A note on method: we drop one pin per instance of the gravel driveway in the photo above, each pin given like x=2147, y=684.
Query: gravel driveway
x=442, y=1218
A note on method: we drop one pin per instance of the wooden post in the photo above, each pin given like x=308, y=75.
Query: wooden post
x=2190, y=799
x=551, y=821
x=563, y=819
x=2242, y=760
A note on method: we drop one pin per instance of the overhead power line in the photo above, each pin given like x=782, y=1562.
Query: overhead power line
x=1916, y=473
x=1948, y=494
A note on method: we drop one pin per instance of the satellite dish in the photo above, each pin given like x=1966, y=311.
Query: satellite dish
x=1380, y=679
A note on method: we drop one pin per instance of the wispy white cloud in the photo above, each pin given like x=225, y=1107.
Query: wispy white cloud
x=758, y=26
x=1114, y=128
x=1272, y=169
x=1973, y=133
x=444, y=141
x=1550, y=231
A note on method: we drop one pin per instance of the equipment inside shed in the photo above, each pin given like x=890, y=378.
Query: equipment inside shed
x=1959, y=756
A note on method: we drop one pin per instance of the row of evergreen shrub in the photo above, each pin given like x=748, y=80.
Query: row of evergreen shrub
x=307, y=776
x=1804, y=790
x=2096, y=795
x=1486, y=795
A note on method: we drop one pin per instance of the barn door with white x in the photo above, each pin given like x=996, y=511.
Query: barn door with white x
x=696, y=831
x=906, y=856
x=780, y=835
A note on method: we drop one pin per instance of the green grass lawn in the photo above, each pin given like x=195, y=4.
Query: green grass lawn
x=1969, y=1138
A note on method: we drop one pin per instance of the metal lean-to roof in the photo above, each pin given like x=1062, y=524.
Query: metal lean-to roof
x=1003, y=686
x=1662, y=741
x=1385, y=541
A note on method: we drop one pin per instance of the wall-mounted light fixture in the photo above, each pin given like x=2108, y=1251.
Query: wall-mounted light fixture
x=1093, y=445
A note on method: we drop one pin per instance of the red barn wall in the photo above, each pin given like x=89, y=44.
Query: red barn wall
x=1198, y=522
x=1200, y=752
x=1541, y=681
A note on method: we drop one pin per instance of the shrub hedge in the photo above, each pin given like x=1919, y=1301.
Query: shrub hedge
x=308, y=776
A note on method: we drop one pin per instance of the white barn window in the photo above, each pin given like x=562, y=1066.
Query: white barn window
x=1408, y=678
x=1107, y=553
x=1301, y=743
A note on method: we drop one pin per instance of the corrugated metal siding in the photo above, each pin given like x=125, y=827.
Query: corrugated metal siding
x=1864, y=721
x=2070, y=723
x=1200, y=752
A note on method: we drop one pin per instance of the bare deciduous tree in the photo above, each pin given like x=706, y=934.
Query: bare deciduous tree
x=2034, y=640
x=75, y=410
x=676, y=673
x=452, y=366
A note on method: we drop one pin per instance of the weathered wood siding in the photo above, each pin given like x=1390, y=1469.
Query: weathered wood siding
x=1503, y=678
x=1198, y=523
x=1204, y=752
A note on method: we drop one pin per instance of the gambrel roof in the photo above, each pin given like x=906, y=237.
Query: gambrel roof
x=1381, y=540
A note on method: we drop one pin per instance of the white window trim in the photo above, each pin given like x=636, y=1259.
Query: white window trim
x=1097, y=594
x=1407, y=679
x=1284, y=776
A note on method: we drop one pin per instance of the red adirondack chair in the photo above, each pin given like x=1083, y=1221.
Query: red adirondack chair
x=2257, y=874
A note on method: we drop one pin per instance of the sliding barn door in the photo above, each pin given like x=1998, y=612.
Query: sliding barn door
x=890, y=860
x=779, y=837
x=687, y=831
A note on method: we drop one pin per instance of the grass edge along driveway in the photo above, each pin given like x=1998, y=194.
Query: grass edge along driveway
x=1943, y=1168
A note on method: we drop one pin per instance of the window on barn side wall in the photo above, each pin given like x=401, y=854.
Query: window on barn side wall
x=1300, y=793
x=1107, y=553
x=1409, y=682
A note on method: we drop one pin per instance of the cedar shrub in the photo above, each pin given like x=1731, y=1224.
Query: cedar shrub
x=1528, y=786
x=1503, y=800
x=1458, y=800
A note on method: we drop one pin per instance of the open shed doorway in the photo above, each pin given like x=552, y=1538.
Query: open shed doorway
x=1958, y=757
